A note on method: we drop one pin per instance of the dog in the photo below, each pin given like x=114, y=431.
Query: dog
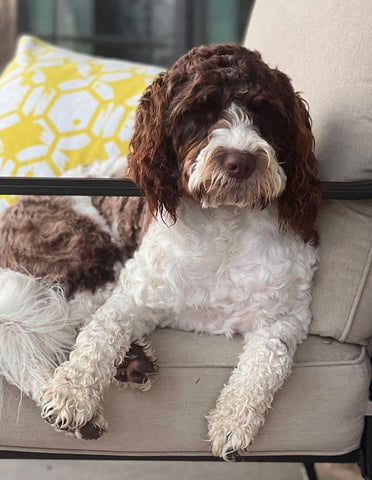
x=225, y=243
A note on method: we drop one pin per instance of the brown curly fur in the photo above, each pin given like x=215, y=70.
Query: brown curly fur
x=45, y=237
x=178, y=110
x=129, y=216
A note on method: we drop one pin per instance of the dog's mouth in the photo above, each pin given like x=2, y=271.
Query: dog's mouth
x=214, y=185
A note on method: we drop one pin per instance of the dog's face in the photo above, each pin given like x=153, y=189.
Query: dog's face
x=233, y=164
x=221, y=127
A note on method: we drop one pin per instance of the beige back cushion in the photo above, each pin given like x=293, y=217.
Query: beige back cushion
x=325, y=46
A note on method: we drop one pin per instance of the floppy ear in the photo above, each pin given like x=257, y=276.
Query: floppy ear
x=152, y=162
x=298, y=205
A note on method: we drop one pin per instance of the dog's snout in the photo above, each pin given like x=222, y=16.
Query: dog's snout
x=239, y=164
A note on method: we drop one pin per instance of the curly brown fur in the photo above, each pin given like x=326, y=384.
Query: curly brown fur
x=45, y=237
x=178, y=112
x=128, y=216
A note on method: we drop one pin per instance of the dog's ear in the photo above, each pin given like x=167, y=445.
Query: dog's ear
x=152, y=162
x=298, y=206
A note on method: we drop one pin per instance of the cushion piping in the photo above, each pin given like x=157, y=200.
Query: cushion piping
x=340, y=363
x=176, y=453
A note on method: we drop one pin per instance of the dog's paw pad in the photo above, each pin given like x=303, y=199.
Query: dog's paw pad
x=136, y=367
x=90, y=431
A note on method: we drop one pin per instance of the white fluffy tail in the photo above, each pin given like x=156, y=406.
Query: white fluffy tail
x=36, y=330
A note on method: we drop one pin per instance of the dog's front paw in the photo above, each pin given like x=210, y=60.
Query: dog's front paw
x=73, y=406
x=94, y=429
x=231, y=432
x=138, y=369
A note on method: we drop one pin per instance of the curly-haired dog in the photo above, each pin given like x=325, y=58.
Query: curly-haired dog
x=223, y=151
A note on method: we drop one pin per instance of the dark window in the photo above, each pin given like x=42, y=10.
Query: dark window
x=142, y=30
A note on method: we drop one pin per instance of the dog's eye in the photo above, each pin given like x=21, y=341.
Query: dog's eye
x=268, y=114
x=270, y=121
x=277, y=119
x=192, y=125
x=271, y=124
x=203, y=114
x=199, y=119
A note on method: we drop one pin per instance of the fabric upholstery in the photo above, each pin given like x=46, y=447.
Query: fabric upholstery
x=342, y=292
x=325, y=47
x=313, y=414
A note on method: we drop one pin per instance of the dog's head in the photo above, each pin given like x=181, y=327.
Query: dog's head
x=222, y=127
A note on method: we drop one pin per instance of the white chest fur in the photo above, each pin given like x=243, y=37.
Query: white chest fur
x=222, y=270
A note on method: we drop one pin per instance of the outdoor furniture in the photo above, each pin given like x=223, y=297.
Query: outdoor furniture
x=323, y=413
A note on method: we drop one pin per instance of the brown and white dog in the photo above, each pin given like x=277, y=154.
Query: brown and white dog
x=223, y=151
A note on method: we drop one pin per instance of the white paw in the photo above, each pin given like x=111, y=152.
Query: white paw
x=72, y=406
x=230, y=434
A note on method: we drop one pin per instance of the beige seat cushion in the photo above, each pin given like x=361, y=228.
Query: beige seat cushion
x=325, y=47
x=306, y=418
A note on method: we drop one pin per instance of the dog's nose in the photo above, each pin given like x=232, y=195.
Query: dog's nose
x=239, y=164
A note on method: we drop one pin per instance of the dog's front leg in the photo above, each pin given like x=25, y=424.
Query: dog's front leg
x=71, y=400
x=263, y=366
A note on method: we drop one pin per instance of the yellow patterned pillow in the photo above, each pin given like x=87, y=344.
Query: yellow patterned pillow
x=60, y=109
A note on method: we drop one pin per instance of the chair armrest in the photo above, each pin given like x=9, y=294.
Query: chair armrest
x=347, y=190
x=366, y=444
x=114, y=187
x=122, y=187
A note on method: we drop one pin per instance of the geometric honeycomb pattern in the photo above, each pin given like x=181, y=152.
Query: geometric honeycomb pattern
x=60, y=109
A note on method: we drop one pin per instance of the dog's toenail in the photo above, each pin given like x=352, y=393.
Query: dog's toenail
x=90, y=431
x=137, y=377
x=121, y=374
x=234, y=457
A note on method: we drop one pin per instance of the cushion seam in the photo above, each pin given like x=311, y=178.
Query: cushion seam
x=360, y=359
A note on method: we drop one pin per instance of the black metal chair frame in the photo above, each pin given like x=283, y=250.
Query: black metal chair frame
x=123, y=187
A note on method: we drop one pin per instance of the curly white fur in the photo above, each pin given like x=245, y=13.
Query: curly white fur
x=38, y=328
x=36, y=331
x=227, y=270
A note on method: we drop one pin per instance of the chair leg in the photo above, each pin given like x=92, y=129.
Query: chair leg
x=309, y=471
x=366, y=448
